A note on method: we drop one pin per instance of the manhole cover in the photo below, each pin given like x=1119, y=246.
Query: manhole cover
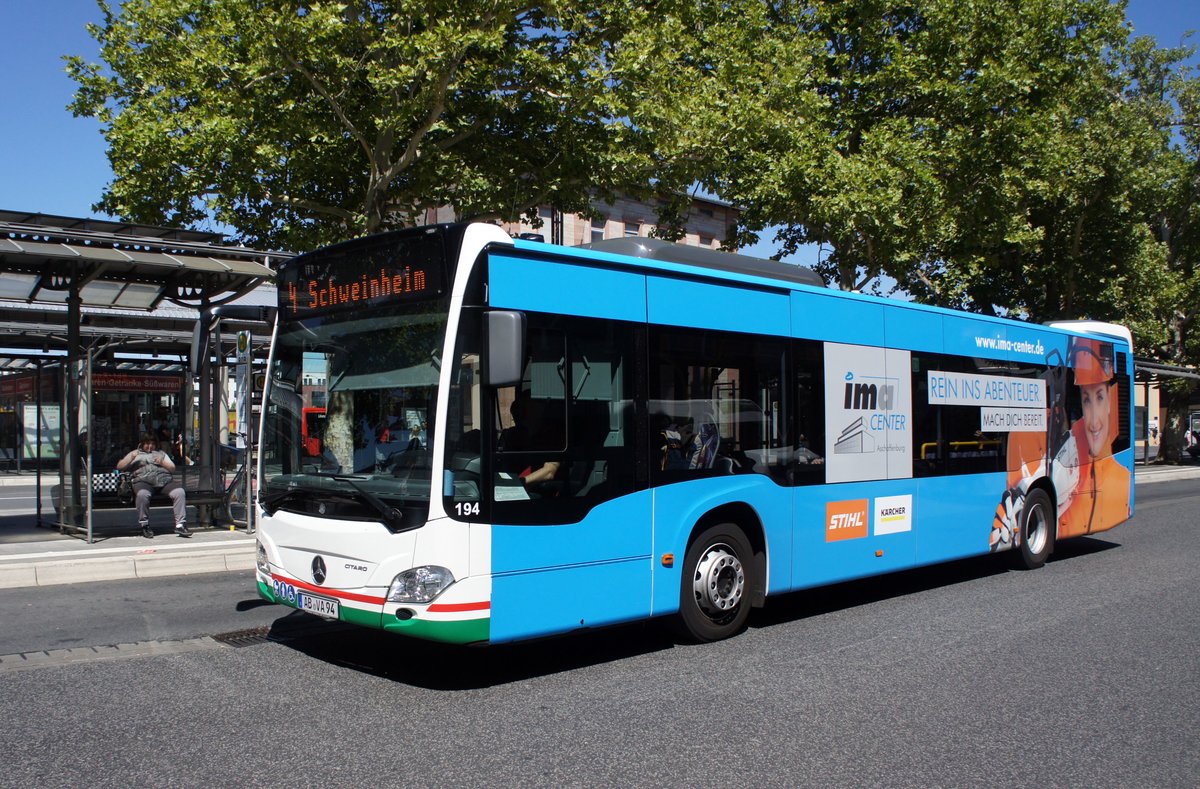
x=244, y=638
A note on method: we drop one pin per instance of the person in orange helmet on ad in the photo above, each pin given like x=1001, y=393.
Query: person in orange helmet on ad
x=1100, y=499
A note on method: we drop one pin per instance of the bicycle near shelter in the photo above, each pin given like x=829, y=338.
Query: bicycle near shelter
x=520, y=439
x=239, y=484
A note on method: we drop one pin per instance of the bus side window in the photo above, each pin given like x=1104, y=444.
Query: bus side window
x=563, y=435
x=717, y=405
x=530, y=421
x=807, y=463
x=948, y=439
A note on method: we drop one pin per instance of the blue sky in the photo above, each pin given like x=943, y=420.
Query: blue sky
x=54, y=163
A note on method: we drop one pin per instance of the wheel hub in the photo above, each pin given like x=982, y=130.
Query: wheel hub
x=1036, y=530
x=720, y=581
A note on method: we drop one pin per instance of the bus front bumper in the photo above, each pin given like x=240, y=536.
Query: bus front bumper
x=444, y=620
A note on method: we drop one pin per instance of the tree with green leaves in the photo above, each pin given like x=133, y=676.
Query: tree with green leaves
x=1166, y=329
x=1046, y=159
x=298, y=123
x=982, y=154
x=1022, y=157
x=993, y=156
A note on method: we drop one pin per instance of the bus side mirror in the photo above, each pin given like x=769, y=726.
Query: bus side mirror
x=505, y=362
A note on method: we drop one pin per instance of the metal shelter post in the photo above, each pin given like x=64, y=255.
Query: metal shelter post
x=187, y=413
x=1146, y=423
x=74, y=302
x=206, y=459
x=64, y=381
x=88, y=441
x=37, y=421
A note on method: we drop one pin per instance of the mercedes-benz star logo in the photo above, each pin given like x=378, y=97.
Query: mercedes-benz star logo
x=318, y=568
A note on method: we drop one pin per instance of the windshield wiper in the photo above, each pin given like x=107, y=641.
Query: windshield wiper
x=272, y=502
x=393, y=517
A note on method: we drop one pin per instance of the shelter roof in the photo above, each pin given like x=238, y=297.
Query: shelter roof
x=32, y=330
x=116, y=264
x=1147, y=371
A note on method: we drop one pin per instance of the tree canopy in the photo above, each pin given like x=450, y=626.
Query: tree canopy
x=1023, y=157
x=992, y=156
x=1032, y=158
x=299, y=123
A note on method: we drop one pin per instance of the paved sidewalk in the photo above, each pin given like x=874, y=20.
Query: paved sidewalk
x=1143, y=474
x=39, y=555
x=71, y=560
x=33, y=555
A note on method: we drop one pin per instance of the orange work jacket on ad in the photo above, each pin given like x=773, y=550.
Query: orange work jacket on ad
x=1101, y=499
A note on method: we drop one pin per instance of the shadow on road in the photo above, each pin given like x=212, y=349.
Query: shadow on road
x=249, y=605
x=1081, y=546
x=447, y=667
x=22, y=528
x=864, y=591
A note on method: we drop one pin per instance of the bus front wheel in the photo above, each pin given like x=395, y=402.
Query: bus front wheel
x=1037, y=530
x=714, y=599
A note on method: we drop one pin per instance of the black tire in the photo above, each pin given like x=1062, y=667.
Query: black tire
x=1037, y=531
x=715, y=590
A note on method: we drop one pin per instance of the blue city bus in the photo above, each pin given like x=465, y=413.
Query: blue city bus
x=522, y=439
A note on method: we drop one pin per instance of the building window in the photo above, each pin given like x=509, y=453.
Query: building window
x=706, y=241
x=598, y=229
x=705, y=211
x=633, y=228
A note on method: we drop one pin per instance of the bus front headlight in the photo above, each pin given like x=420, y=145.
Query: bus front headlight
x=261, y=558
x=420, y=584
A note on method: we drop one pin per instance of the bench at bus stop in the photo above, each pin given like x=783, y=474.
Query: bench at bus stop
x=202, y=489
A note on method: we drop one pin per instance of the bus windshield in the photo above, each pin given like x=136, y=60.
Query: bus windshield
x=374, y=383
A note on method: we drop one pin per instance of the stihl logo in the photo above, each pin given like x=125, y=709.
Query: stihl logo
x=845, y=520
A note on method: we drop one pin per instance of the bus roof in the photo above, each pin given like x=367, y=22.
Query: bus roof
x=666, y=251
x=662, y=251
x=1095, y=327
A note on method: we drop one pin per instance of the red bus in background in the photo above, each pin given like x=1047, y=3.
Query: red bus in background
x=311, y=430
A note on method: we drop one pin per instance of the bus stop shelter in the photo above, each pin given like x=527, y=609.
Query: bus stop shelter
x=1148, y=375
x=73, y=291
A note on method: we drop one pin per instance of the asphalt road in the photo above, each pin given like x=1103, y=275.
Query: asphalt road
x=1083, y=673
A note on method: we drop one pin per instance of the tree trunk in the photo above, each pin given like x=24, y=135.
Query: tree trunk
x=339, y=429
x=1177, y=393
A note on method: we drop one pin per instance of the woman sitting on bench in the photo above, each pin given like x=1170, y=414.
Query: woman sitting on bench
x=152, y=470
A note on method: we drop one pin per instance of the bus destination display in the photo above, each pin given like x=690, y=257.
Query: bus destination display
x=373, y=273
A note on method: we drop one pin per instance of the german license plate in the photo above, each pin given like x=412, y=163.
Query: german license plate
x=321, y=606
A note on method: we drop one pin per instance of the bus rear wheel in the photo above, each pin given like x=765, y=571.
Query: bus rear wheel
x=1037, y=530
x=714, y=599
